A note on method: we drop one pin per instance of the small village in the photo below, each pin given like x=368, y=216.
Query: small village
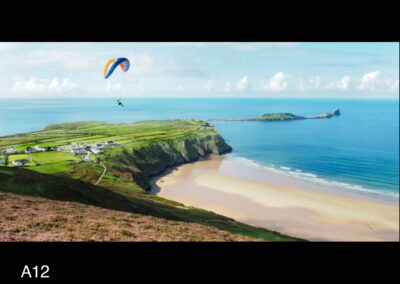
x=84, y=150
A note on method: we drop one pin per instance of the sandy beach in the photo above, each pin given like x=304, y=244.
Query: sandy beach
x=285, y=204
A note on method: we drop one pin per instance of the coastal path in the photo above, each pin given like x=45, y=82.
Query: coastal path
x=105, y=169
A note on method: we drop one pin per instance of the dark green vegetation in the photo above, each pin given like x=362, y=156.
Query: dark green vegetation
x=143, y=150
x=280, y=117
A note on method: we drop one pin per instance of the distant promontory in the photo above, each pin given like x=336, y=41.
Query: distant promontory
x=280, y=117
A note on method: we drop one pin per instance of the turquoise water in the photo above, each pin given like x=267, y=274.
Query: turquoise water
x=357, y=151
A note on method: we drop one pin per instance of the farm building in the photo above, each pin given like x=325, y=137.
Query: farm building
x=78, y=151
x=11, y=150
x=96, y=151
x=20, y=162
x=39, y=148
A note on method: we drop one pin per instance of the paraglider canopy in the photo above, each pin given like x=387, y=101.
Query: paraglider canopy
x=113, y=63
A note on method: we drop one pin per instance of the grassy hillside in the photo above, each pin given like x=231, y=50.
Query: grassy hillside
x=141, y=150
x=30, y=183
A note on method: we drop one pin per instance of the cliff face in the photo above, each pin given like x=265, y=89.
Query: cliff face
x=336, y=112
x=153, y=159
x=323, y=115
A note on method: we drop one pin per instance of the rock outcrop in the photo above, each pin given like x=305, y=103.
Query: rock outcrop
x=336, y=112
x=323, y=115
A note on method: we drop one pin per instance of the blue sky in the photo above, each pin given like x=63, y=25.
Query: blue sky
x=177, y=69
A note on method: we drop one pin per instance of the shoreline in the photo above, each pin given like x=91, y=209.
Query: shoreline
x=288, y=205
x=281, y=177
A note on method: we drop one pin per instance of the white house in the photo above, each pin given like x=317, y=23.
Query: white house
x=79, y=151
x=64, y=148
x=11, y=150
x=99, y=146
x=95, y=151
x=39, y=148
x=20, y=162
x=87, y=158
x=110, y=143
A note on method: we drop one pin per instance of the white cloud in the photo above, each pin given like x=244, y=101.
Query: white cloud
x=142, y=64
x=242, y=84
x=208, y=85
x=310, y=84
x=341, y=85
x=369, y=81
x=277, y=83
x=109, y=87
x=317, y=82
x=393, y=87
x=45, y=85
x=227, y=87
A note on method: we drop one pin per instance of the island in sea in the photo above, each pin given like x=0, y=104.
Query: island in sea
x=280, y=117
x=81, y=181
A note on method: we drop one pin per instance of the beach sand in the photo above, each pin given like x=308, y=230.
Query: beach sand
x=281, y=203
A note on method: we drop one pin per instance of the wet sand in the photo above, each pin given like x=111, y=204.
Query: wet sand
x=285, y=204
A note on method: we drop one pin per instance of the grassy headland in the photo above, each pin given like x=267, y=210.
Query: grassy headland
x=141, y=150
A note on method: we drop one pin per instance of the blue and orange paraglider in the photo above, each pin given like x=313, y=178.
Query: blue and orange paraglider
x=110, y=67
x=113, y=63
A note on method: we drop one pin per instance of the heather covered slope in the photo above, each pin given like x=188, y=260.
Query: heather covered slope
x=62, y=188
x=26, y=218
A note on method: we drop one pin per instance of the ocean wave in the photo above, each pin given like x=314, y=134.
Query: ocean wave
x=298, y=173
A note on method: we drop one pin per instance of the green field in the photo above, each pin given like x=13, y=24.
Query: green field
x=121, y=133
x=136, y=135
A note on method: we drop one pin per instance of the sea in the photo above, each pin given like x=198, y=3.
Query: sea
x=356, y=151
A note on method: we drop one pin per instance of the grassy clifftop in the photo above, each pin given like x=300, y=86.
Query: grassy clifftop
x=140, y=133
x=141, y=150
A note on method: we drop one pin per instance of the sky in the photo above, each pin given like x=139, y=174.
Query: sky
x=201, y=69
